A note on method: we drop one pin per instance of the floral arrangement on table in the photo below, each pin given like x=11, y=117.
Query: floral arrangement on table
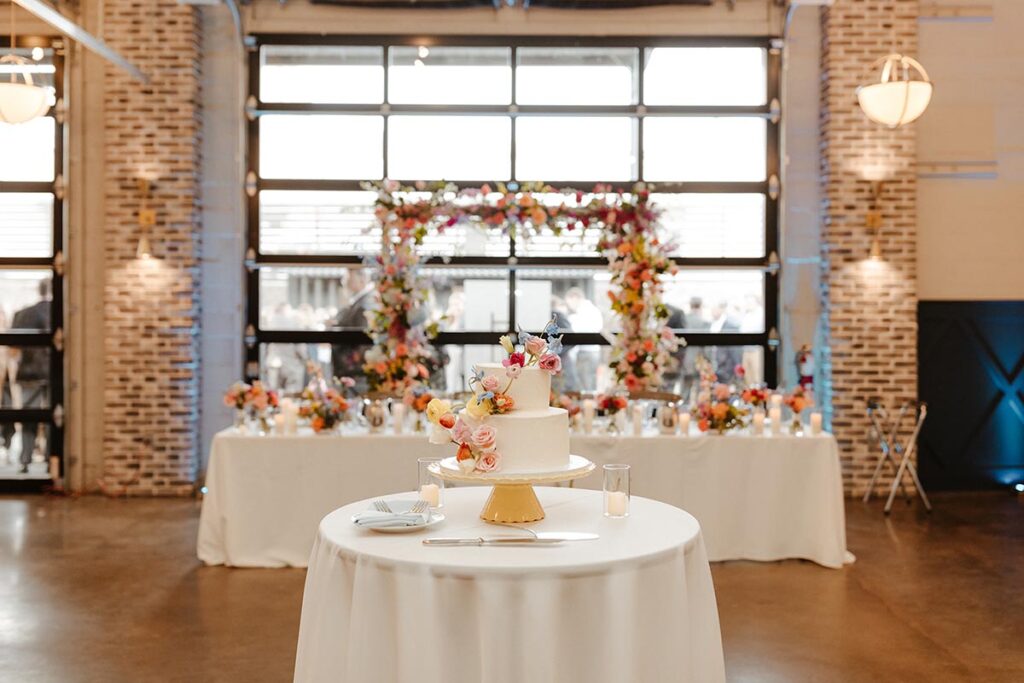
x=611, y=404
x=477, y=445
x=566, y=403
x=644, y=348
x=253, y=399
x=325, y=404
x=754, y=395
x=798, y=400
x=716, y=408
x=638, y=260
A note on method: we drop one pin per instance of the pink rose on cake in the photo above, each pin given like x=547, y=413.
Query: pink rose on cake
x=483, y=438
x=535, y=346
x=461, y=432
x=489, y=383
x=513, y=371
x=551, y=363
x=489, y=462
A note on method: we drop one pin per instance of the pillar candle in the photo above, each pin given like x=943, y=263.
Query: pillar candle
x=431, y=493
x=684, y=424
x=815, y=423
x=279, y=423
x=638, y=420
x=616, y=503
x=589, y=406
x=776, y=401
x=758, y=423
x=775, y=415
x=398, y=417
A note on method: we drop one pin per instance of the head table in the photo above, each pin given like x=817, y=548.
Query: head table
x=635, y=605
x=756, y=497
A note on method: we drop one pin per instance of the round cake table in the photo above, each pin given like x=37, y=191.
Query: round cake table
x=635, y=605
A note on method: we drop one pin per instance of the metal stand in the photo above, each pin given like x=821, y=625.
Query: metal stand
x=890, y=446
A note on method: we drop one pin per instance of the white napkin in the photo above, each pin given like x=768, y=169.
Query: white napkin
x=374, y=519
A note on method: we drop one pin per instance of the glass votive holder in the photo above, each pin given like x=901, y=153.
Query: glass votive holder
x=431, y=486
x=616, y=491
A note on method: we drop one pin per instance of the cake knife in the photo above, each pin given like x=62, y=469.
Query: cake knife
x=497, y=541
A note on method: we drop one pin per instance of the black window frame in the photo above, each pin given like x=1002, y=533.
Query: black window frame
x=769, y=188
x=53, y=414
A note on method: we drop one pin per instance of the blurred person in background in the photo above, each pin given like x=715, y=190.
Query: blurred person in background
x=584, y=316
x=31, y=368
x=694, y=321
x=726, y=358
x=347, y=360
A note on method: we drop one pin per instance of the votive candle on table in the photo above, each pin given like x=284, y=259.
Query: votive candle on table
x=430, y=485
x=775, y=415
x=616, y=490
x=279, y=423
x=776, y=401
x=589, y=407
x=398, y=417
x=290, y=413
x=638, y=420
x=684, y=424
x=815, y=422
x=758, y=424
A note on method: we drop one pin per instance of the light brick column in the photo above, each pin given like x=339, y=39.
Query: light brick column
x=870, y=306
x=151, y=308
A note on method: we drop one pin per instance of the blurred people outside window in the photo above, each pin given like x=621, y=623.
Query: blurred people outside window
x=31, y=368
x=347, y=360
x=726, y=358
x=584, y=316
x=6, y=398
x=694, y=322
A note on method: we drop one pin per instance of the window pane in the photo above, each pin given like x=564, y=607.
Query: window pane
x=27, y=150
x=576, y=297
x=576, y=75
x=311, y=222
x=705, y=75
x=704, y=149
x=716, y=301
x=27, y=383
x=27, y=442
x=449, y=147
x=26, y=224
x=468, y=299
x=685, y=379
x=285, y=367
x=560, y=148
x=457, y=365
x=322, y=74
x=308, y=298
x=322, y=146
x=449, y=75
x=713, y=225
x=24, y=300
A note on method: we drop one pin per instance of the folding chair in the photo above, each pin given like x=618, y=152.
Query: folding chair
x=890, y=445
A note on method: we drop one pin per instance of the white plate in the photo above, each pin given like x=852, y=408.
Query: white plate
x=398, y=507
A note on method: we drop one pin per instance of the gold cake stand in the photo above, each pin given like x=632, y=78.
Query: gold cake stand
x=513, y=500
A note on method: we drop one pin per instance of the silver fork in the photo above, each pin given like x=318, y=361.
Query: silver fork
x=420, y=507
x=380, y=506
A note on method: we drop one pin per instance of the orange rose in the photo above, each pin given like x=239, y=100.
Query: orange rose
x=317, y=423
x=703, y=424
x=464, y=452
x=720, y=410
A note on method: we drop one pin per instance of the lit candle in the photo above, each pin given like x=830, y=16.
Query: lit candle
x=776, y=400
x=589, y=406
x=775, y=415
x=684, y=424
x=431, y=493
x=398, y=417
x=815, y=423
x=616, y=503
x=279, y=423
x=290, y=412
x=638, y=420
x=758, y=423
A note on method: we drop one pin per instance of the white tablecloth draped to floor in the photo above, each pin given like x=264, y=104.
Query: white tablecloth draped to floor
x=757, y=498
x=636, y=605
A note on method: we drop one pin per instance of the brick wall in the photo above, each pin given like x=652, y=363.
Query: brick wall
x=151, y=308
x=870, y=306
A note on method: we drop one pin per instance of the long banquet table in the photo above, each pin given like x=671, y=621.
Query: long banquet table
x=756, y=498
x=637, y=604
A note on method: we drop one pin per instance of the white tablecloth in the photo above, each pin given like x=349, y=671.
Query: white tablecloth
x=757, y=498
x=636, y=605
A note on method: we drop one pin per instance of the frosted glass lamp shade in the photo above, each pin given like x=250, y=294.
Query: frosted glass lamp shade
x=901, y=94
x=21, y=102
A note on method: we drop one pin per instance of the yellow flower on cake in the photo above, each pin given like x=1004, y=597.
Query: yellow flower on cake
x=436, y=408
x=477, y=408
x=507, y=343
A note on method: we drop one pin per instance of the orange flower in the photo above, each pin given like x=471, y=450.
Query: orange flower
x=720, y=410
x=703, y=424
x=317, y=423
x=401, y=350
x=464, y=453
x=381, y=368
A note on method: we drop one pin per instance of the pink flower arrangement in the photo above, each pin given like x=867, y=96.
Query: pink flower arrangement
x=550, y=363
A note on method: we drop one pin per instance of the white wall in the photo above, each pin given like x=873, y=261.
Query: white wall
x=970, y=149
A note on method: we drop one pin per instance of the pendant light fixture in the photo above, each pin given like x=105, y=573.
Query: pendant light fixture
x=900, y=95
x=20, y=102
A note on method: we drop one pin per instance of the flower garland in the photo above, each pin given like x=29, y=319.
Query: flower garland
x=638, y=260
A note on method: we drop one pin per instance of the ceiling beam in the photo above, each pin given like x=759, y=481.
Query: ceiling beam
x=75, y=32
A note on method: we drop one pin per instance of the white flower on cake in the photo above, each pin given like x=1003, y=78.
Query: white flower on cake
x=515, y=394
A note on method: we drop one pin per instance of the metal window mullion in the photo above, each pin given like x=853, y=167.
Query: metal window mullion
x=771, y=206
x=386, y=108
x=252, y=283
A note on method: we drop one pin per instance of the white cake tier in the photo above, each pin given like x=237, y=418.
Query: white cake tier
x=529, y=440
x=530, y=391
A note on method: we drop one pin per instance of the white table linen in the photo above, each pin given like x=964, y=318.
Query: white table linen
x=637, y=604
x=757, y=498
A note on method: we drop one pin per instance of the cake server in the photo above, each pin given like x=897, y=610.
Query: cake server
x=498, y=541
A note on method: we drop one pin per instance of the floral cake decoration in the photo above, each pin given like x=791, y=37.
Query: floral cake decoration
x=477, y=445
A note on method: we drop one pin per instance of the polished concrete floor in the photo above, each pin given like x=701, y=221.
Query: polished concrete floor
x=94, y=589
